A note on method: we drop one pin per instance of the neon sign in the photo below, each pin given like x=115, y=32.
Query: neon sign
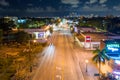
x=113, y=47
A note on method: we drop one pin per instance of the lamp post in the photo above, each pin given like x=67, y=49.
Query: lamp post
x=86, y=61
x=29, y=55
x=34, y=41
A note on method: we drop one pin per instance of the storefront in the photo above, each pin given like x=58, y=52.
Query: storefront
x=41, y=35
x=113, y=51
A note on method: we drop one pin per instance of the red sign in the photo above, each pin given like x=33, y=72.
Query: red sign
x=87, y=39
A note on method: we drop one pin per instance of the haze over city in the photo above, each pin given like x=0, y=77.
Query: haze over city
x=51, y=8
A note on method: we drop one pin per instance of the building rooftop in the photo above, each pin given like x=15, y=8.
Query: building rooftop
x=95, y=36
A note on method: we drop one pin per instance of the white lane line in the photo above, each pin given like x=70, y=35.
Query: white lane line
x=58, y=68
x=58, y=77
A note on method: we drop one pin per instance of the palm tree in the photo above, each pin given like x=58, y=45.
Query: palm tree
x=100, y=57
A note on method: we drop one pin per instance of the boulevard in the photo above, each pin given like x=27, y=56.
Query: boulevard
x=64, y=59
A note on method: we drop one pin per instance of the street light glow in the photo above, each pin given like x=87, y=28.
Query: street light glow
x=86, y=61
x=34, y=41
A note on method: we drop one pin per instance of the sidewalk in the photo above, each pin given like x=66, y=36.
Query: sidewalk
x=92, y=67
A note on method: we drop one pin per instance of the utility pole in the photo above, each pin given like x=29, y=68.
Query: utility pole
x=30, y=55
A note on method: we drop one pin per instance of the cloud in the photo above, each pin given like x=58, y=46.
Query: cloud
x=87, y=2
x=103, y=5
x=117, y=8
x=70, y=2
x=4, y=3
x=96, y=8
x=50, y=9
x=35, y=9
x=102, y=1
x=74, y=3
x=39, y=9
x=30, y=4
x=10, y=10
x=1, y=9
x=93, y=1
x=96, y=1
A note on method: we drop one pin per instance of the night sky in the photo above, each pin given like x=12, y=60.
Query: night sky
x=46, y=8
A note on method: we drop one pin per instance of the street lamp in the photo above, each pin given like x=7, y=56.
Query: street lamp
x=29, y=55
x=86, y=61
x=34, y=41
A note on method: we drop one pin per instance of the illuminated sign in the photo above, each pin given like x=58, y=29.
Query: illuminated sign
x=88, y=39
x=113, y=47
x=41, y=35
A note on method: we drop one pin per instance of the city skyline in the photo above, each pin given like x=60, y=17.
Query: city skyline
x=48, y=8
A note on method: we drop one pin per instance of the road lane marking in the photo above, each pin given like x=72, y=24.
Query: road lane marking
x=54, y=70
x=58, y=68
x=63, y=64
x=58, y=77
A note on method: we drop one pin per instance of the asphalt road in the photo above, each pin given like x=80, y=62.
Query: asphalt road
x=64, y=60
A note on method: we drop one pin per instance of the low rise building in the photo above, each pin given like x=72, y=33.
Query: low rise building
x=40, y=34
x=112, y=47
x=91, y=40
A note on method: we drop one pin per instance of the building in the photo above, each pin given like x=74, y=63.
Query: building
x=112, y=48
x=40, y=34
x=86, y=29
x=91, y=40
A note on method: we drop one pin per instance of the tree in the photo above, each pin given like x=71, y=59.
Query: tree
x=57, y=21
x=1, y=35
x=51, y=30
x=7, y=26
x=6, y=67
x=100, y=57
x=22, y=37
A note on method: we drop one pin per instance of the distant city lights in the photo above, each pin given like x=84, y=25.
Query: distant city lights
x=21, y=21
